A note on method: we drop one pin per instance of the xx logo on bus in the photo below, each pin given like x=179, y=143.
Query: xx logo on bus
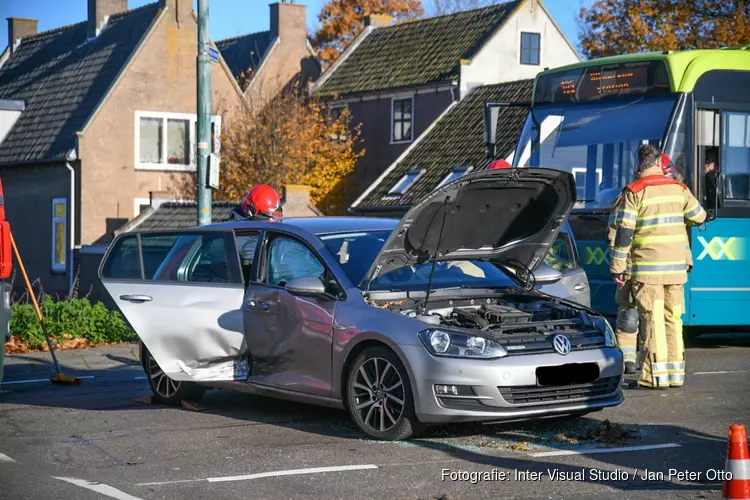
x=720, y=248
x=595, y=255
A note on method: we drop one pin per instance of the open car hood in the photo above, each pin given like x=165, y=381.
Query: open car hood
x=509, y=216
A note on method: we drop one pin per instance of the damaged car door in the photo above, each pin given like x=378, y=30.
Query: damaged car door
x=289, y=313
x=182, y=291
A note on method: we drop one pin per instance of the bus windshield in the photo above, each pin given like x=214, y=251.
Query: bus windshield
x=597, y=142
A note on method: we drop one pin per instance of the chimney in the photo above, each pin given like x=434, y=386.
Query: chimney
x=157, y=198
x=182, y=9
x=295, y=200
x=99, y=10
x=378, y=20
x=19, y=28
x=288, y=21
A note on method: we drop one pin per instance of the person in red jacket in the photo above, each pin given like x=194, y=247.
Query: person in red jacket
x=261, y=203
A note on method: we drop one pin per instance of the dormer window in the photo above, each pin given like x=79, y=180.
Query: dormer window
x=403, y=185
x=455, y=174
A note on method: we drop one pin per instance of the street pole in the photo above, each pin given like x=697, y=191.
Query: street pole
x=204, y=116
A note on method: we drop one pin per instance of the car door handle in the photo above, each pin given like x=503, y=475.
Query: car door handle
x=579, y=287
x=258, y=306
x=136, y=298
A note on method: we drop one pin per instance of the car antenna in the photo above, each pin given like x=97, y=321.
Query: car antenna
x=434, y=259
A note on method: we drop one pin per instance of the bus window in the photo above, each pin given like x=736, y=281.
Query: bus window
x=735, y=155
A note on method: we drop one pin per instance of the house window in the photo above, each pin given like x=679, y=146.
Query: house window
x=405, y=183
x=335, y=113
x=167, y=141
x=402, y=118
x=59, y=232
x=455, y=174
x=530, y=43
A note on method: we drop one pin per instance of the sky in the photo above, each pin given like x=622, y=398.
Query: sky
x=227, y=18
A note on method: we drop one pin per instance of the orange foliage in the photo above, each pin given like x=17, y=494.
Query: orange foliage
x=290, y=140
x=342, y=20
x=612, y=27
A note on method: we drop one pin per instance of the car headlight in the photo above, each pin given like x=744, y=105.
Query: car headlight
x=609, y=335
x=460, y=345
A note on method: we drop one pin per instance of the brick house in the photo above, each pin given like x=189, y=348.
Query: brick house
x=453, y=146
x=98, y=116
x=397, y=80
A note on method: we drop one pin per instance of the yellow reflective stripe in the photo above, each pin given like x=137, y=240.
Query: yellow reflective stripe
x=639, y=272
x=665, y=263
x=662, y=224
x=673, y=214
x=656, y=200
x=664, y=238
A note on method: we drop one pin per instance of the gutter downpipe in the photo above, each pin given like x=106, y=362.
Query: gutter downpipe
x=72, y=224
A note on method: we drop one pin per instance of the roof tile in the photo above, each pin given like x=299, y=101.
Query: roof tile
x=244, y=53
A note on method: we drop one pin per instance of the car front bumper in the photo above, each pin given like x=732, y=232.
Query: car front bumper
x=506, y=388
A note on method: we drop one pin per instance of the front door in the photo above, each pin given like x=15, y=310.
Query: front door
x=182, y=292
x=289, y=337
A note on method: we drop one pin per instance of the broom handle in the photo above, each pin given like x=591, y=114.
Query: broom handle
x=33, y=299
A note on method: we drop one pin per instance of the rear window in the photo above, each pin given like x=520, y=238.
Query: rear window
x=173, y=257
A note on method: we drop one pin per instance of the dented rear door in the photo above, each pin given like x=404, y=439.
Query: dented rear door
x=182, y=291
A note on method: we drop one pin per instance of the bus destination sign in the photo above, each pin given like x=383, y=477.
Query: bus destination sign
x=592, y=83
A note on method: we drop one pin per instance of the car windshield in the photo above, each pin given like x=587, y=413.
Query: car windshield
x=596, y=142
x=357, y=251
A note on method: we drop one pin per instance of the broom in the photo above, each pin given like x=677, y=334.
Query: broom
x=60, y=378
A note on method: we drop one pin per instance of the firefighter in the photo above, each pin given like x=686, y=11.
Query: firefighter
x=261, y=203
x=651, y=237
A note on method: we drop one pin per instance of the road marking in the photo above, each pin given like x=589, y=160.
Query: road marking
x=38, y=380
x=5, y=458
x=718, y=373
x=104, y=489
x=246, y=477
x=707, y=438
x=603, y=450
x=292, y=472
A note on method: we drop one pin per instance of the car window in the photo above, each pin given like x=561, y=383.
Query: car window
x=246, y=245
x=561, y=255
x=123, y=261
x=192, y=258
x=290, y=259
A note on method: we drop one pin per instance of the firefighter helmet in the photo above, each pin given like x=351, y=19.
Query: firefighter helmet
x=499, y=164
x=262, y=202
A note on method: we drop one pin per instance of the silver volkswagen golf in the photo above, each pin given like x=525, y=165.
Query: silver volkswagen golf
x=435, y=318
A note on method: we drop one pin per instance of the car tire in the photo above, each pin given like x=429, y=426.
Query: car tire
x=166, y=391
x=373, y=403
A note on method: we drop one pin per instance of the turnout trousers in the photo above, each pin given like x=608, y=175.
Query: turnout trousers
x=626, y=329
x=663, y=355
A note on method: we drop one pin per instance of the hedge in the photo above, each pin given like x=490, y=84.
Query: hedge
x=78, y=318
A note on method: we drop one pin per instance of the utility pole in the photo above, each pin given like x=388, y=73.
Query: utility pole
x=204, y=115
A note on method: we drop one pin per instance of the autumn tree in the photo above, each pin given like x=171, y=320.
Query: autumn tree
x=611, y=27
x=291, y=139
x=342, y=20
x=443, y=7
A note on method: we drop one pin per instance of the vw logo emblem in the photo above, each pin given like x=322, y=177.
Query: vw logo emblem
x=561, y=344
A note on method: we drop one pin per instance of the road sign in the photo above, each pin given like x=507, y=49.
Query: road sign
x=214, y=54
x=213, y=171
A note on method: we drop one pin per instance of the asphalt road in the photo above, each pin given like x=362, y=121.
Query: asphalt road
x=96, y=441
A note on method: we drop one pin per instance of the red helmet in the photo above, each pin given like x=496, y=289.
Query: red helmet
x=666, y=165
x=262, y=201
x=499, y=164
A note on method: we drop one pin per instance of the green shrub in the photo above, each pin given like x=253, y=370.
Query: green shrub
x=65, y=320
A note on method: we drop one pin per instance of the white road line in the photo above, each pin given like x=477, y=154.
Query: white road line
x=707, y=438
x=5, y=458
x=718, y=373
x=292, y=472
x=104, y=489
x=603, y=450
x=38, y=380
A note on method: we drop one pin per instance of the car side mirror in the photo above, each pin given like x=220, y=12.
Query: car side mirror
x=714, y=189
x=547, y=275
x=307, y=285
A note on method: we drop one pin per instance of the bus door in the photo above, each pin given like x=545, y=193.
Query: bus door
x=718, y=291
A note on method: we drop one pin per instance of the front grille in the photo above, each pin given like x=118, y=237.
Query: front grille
x=529, y=394
x=518, y=345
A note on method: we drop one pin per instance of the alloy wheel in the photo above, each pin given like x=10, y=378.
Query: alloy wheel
x=379, y=394
x=164, y=386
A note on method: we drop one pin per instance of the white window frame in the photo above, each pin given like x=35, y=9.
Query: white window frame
x=337, y=138
x=137, y=202
x=192, y=139
x=520, y=48
x=392, y=195
x=393, y=119
x=453, y=170
x=56, y=266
